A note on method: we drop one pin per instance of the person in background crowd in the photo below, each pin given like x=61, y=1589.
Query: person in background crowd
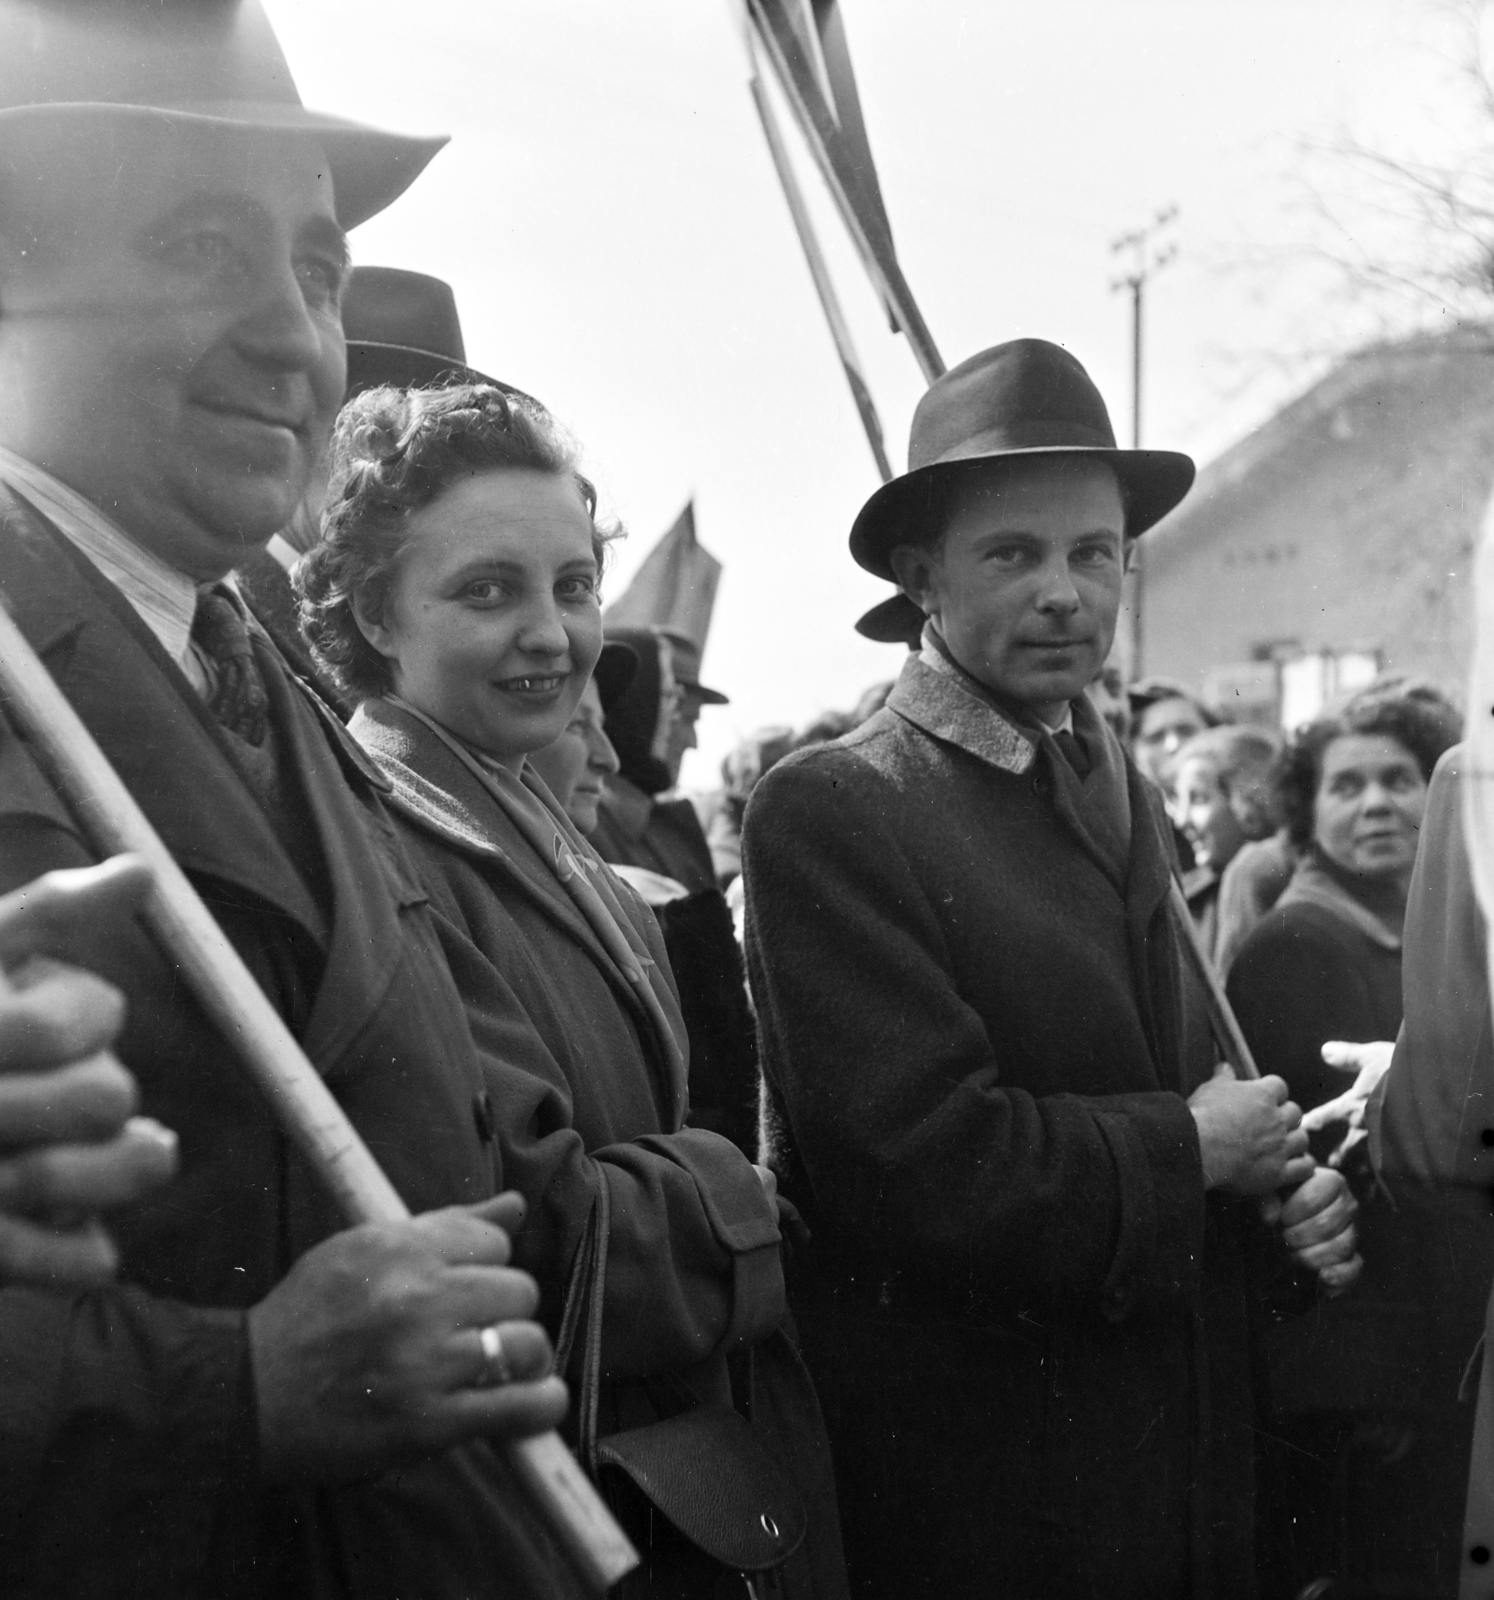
x=1253, y=882
x=651, y=727
x=1164, y=717
x=1108, y=692
x=171, y=362
x=72, y=1147
x=1324, y=965
x=659, y=847
x=575, y=768
x=990, y=1088
x=741, y=771
x=455, y=592
x=1221, y=800
x=1325, y=962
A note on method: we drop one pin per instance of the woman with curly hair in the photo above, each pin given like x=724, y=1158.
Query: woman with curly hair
x=1325, y=962
x=455, y=594
x=1343, y=1456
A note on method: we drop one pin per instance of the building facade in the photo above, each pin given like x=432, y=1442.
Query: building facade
x=1335, y=541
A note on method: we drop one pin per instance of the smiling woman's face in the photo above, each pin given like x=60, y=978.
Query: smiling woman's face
x=492, y=624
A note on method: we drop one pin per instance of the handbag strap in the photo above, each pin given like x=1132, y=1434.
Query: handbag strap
x=585, y=1297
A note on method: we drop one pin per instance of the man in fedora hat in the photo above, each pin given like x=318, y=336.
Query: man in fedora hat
x=266, y=1404
x=989, y=1081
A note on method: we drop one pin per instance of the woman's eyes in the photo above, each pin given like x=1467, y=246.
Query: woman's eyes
x=578, y=588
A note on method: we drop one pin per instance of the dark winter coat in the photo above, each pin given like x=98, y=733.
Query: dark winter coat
x=128, y=1443
x=1027, y=1323
x=580, y=1090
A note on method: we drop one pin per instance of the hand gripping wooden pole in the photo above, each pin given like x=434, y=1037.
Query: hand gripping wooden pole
x=304, y=1105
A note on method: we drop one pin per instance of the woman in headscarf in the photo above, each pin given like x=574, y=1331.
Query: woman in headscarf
x=455, y=593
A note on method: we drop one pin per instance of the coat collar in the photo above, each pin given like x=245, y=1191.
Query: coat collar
x=934, y=695
x=430, y=786
x=1314, y=885
x=146, y=717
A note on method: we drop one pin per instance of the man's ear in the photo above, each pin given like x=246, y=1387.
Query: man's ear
x=1128, y=551
x=371, y=624
x=913, y=566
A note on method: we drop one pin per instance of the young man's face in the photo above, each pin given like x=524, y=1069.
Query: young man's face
x=170, y=336
x=1025, y=584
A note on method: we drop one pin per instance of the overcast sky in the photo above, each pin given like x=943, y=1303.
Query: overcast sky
x=613, y=229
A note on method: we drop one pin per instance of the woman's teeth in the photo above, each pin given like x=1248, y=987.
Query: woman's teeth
x=533, y=685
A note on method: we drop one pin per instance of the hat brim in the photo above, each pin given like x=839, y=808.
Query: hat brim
x=371, y=168
x=1153, y=481
x=614, y=672
x=707, y=697
x=372, y=364
x=895, y=620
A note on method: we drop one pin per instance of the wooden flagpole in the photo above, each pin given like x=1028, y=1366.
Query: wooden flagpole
x=818, y=271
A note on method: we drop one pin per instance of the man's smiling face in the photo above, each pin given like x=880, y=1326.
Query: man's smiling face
x=170, y=335
x=1025, y=583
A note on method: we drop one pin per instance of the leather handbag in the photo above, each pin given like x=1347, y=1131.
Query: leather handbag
x=709, y=1508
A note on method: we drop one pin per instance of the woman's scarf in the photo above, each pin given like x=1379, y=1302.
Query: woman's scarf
x=587, y=881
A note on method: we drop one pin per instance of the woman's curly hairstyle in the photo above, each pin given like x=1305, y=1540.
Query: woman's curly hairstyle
x=1413, y=712
x=394, y=451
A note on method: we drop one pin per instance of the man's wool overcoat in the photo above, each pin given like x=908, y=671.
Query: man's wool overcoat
x=128, y=1440
x=1026, y=1320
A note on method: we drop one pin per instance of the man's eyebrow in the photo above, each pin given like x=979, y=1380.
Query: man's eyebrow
x=324, y=233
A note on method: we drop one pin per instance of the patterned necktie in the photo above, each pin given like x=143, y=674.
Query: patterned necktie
x=237, y=698
x=1073, y=752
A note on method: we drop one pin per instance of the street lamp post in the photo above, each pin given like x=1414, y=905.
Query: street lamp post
x=1148, y=255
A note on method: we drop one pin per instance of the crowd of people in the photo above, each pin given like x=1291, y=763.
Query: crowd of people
x=847, y=1164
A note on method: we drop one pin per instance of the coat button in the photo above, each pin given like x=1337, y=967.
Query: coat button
x=483, y=1118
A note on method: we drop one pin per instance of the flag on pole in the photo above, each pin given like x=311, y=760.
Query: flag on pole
x=805, y=43
x=674, y=589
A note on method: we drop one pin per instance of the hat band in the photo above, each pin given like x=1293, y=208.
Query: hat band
x=1036, y=435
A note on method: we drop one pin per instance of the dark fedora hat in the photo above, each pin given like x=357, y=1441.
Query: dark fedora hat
x=213, y=62
x=895, y=620
x=615, y=670
x=402, y=328
x=1025, y=398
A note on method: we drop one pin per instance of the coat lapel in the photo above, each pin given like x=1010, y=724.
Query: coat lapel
x=936, y=698
x=145, y=716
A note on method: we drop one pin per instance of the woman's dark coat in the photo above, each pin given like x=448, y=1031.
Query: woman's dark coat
x=580, y=1092
x=1027, y=1324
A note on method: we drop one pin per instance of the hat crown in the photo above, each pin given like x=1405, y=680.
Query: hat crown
x=389, y=305
x=1024, y=395
x=174, y=54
